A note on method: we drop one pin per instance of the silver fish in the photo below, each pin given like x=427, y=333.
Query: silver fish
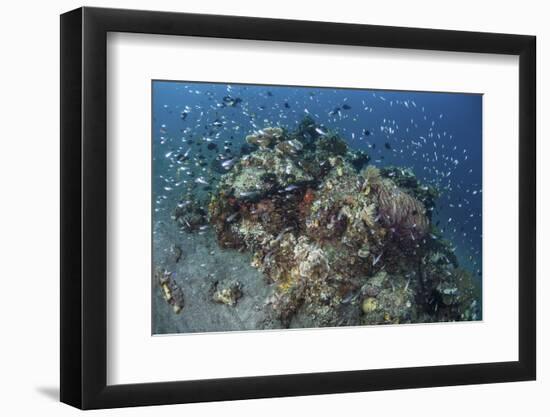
x=320, y=131
x=227, y=164
x=232, y=217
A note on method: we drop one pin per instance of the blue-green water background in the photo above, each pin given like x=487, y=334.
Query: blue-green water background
x=438, y=135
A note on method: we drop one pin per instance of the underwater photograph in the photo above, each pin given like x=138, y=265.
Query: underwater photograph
x=288, y=207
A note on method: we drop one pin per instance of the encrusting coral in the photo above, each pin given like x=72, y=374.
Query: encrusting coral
x=342, y=242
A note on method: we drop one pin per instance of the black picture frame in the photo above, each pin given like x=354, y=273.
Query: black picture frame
x=84, y=207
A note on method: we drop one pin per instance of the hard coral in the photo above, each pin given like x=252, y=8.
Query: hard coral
x=266, y=137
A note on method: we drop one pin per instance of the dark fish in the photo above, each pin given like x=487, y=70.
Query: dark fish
x=212, y=146
x=387, y=145
x=246, y=149
x=230, y=101
x=269, y=93
x=346, y=106
x=366, y=132
x=374, y=146
x=287, y=106
x=183, y=115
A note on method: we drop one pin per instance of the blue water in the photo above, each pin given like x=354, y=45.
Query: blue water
x=438, y=135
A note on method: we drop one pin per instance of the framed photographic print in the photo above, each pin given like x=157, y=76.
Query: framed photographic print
x=257, y=208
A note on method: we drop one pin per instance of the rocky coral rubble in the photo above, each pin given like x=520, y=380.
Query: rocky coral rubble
x=170, y=290
x=189, y=215
x=341, y=241
x=226, y=292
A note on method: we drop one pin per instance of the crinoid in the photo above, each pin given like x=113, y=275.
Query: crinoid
x=403, y=214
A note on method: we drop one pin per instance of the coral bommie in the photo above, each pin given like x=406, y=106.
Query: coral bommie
x=341, y=245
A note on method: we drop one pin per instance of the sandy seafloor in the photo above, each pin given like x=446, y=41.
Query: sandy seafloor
x=202, y=263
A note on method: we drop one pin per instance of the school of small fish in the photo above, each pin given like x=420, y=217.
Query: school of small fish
x=199, y=131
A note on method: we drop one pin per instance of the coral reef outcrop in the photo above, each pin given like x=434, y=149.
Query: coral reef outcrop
x=342, y=242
